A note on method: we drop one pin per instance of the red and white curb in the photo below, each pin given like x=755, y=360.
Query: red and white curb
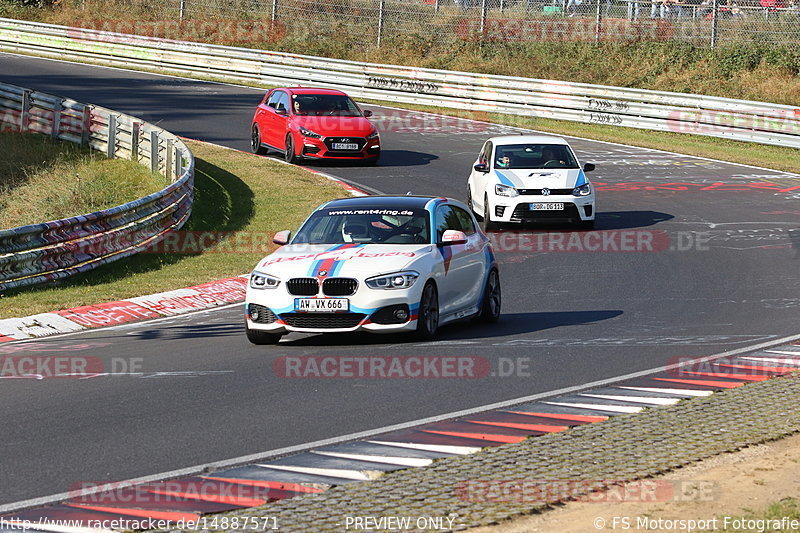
x=171, y=303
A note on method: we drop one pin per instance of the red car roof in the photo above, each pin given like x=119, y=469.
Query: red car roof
x=311, y=90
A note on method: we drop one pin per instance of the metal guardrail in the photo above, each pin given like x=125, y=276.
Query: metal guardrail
x=740, y=120
x=57, y=249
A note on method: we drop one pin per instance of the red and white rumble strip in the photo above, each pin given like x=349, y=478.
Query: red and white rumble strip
x=197, y=298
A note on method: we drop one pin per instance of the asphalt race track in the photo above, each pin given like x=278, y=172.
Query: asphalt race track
x=716, y=269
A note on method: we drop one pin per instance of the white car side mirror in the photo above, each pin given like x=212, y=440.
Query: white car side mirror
x=453, y=236
x=282, y=237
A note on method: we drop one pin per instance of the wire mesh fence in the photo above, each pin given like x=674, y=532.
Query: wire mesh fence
x=447, y=22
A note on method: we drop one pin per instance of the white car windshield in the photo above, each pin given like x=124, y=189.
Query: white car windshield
x=368, y=225
x=527, y=156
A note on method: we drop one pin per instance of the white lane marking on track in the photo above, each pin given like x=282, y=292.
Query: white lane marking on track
x=356, y=475
x=683, y=392
x=650, y=400
x=598, y=407
x=784, y=352
x=441, y=448
x=370, y=434
x=774, y=360
x=384, y=459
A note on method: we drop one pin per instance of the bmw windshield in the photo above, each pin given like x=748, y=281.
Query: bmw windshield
x=367, y=225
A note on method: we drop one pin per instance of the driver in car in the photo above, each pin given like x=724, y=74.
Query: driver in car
x=503, y=160
x=549, y=155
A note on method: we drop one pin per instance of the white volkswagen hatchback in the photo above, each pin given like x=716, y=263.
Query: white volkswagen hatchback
x=375, y=263
x=530, y=178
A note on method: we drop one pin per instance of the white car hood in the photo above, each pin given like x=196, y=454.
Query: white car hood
x=348, y=260
x=552, y=178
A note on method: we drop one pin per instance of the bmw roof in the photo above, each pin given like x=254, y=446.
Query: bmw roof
x=388, y=201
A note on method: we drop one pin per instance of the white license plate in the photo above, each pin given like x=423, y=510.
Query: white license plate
x=547, y=207
x=344, y=146
x=321, y=305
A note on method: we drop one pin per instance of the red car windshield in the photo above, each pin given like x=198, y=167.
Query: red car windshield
x=324, y=104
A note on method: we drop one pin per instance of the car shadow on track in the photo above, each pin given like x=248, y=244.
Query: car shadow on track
x=389, y=158
x=629, y=219
x=608, y=220
x=509, y=325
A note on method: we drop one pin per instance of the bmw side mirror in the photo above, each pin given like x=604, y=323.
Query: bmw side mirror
x=453, y=236
x=481, y=167
x=367, y=113
x=282, y=237
x=588, y=167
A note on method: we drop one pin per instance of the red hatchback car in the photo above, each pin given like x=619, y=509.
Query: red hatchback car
x=314, y=124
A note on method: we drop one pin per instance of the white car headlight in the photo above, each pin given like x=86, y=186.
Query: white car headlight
x=505, y=190
x=583, y=190
x=398, y=280
x=310, y=134
x=373, y=135
x=259, y=280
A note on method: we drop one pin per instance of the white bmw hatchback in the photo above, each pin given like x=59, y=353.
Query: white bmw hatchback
x=530, y=178
x=375, y=263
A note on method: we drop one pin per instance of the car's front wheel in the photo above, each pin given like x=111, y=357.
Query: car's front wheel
x=255, y=141
x=492, y=299
x=428, y=314
x=487, y=223
x=290, y=156
x=471, y=204
x=261, y=337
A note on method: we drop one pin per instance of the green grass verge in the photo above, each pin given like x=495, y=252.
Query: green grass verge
x=42, y=179
x=767, y=519
x=235, y=192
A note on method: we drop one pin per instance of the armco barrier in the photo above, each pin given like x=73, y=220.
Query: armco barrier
x=637, y=108
x=53, y=250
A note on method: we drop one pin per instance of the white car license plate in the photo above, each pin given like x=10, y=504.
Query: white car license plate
x=321, y=305
x=344, y=146
x=547, y=207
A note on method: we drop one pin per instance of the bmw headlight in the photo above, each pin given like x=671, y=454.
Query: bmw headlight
x=373, y=135
x=310, y=134
x=583, y=190
x=505, y=190
x=259, y=280
x=398, y=280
